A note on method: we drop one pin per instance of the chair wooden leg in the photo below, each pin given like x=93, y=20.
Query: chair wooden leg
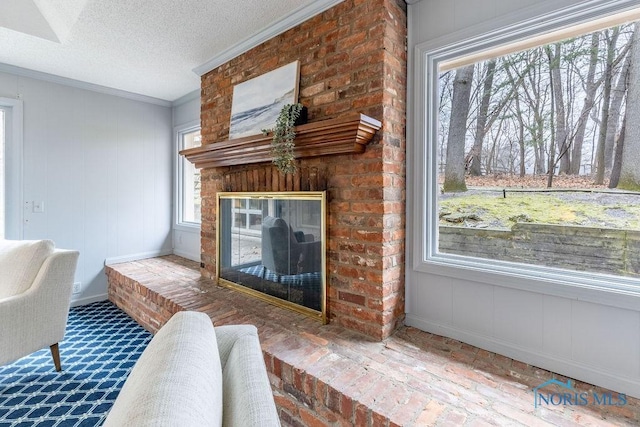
x=55, y=353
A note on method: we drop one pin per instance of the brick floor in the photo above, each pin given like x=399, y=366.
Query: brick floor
x=327, y=375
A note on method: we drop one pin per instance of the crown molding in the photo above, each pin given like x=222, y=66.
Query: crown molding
x=52, y=78
x=294, y=18
x=186, y=98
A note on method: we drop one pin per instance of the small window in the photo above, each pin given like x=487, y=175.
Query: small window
x=247, y=220
x=189, y=202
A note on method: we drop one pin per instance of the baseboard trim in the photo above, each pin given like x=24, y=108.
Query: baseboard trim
x=135, y=257
x=89, y=300
x=562, y=366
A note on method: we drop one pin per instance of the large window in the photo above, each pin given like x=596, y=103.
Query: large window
x=529, y=164
x=189, y=202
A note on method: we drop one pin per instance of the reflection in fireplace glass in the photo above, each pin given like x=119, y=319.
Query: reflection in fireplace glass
x=272, y=245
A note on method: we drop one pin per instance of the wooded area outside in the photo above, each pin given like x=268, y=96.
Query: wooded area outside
x=557, y=108
x=566, y=112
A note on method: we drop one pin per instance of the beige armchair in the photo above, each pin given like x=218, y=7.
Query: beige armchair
x=35, y=292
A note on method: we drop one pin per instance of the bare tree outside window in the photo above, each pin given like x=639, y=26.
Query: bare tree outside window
x=538, y=154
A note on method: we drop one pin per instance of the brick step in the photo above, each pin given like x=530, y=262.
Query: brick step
x=326, y=375
x=151, y=291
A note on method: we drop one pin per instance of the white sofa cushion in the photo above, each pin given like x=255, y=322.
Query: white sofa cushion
x=178, y=379
x=248, y=397
x=20, y=261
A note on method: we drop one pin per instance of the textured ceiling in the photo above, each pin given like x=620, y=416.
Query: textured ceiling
x=147, y=47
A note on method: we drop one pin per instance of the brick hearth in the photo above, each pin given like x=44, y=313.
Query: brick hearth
x=328, y=375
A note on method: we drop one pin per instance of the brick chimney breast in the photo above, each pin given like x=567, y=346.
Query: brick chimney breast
x=352, y=60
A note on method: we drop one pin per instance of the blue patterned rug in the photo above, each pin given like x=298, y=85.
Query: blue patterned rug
x=100, y=347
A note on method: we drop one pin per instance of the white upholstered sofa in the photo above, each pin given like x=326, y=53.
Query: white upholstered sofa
x=36, y=280
x=192, y=374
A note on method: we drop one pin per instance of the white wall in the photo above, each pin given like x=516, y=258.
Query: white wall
x=186, y=240
x=187, y=109
x=597, y=341
x=102, y=166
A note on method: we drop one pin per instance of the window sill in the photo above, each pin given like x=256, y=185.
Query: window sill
x=189, y=227
x=621, y=292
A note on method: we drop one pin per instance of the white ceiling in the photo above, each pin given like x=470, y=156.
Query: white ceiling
x=146, y=47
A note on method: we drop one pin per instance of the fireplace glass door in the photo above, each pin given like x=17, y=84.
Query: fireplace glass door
x=272, y=245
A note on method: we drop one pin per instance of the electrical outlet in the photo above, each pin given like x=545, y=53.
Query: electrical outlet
x=77, y=287
x=38, y=207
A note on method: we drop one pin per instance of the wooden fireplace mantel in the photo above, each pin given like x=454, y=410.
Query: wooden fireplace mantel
x=347, y=134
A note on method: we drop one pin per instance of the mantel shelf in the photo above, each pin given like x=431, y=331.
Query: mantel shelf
x=343, y=135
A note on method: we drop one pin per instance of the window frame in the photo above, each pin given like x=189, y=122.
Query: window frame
x=14, y=215
x=613, y=290
x=246, y=211
x=179, y=222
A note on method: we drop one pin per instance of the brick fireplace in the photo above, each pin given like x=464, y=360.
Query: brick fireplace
x=352, y=60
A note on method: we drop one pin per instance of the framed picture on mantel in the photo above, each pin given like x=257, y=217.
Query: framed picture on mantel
x=257, y=102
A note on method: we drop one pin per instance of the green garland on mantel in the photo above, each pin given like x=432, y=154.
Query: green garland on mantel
x=283, y=135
